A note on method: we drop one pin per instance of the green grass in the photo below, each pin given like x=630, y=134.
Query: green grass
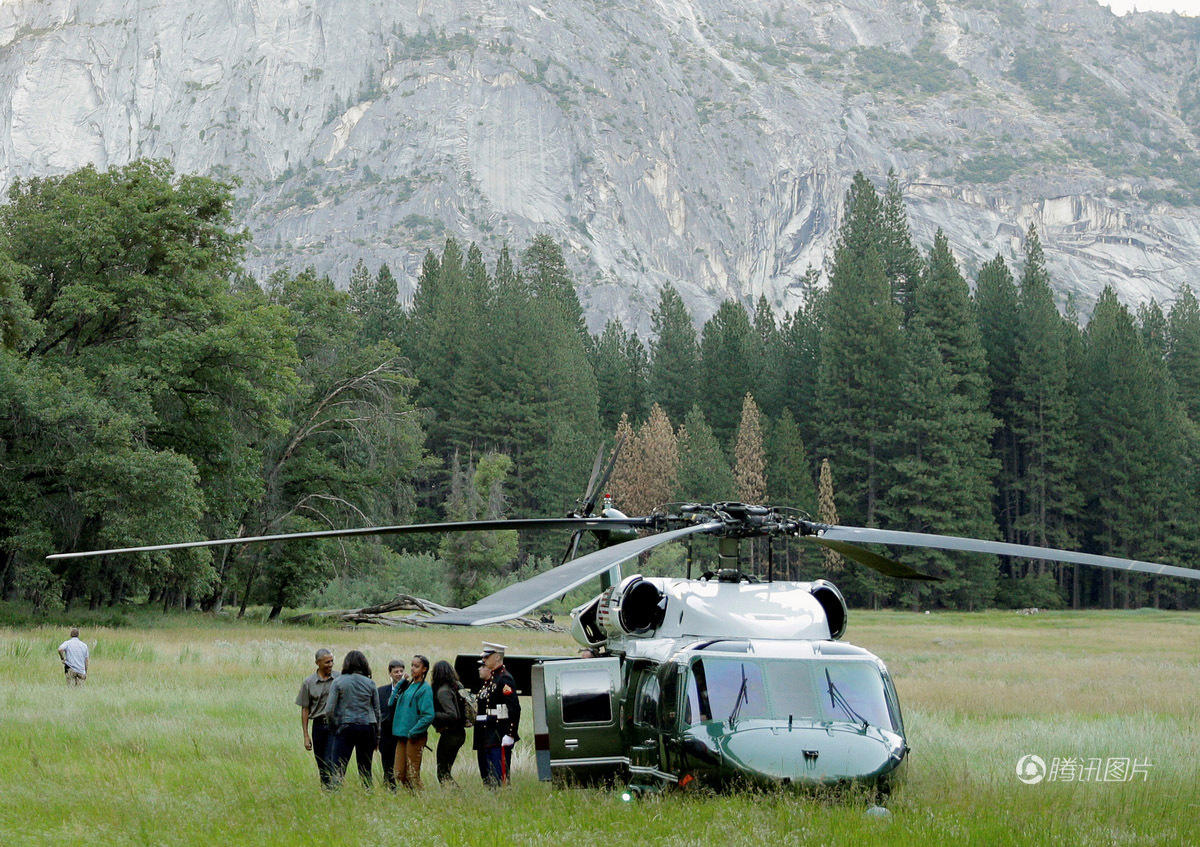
x=187, y=733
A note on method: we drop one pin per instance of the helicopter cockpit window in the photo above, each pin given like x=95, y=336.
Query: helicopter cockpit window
x=842, y=691
x=725, y=689
x=586, y=697
x=853, y=691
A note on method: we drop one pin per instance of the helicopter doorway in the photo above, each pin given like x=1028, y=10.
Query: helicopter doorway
x=576, y=720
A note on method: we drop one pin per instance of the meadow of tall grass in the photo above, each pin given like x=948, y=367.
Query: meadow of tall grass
x=187, y=733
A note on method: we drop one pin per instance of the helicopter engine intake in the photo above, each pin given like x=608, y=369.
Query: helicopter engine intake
x=635, y=607
x=833, y=603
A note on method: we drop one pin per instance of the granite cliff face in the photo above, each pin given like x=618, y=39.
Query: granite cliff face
x=703, y=142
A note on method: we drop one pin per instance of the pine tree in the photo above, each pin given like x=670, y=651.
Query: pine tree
x=660, y=452
x=704, y=473
x=624, y=480
x=749, y=454
x=674, y=355
x=1183, y=365
x=613, y=373
x=800, y=337
x=646, y=471
x=386, y=321
x=858, y=385
x=476, y=559
x=790, y=480
x=766, y=366
x=789, y=473
x=359, y=288
x=944, y=468
x=901, y=259
x=1045, y=414
x=545, y=271
x=827, y=514
x=1132, y=435
x=996, y=310
x=1183, y=349
x=637, y=375
x=726, y=360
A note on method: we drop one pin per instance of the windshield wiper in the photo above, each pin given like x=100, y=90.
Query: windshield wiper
x=836, y=698
x=743, y=696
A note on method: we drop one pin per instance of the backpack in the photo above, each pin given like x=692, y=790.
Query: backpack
x=466, y=707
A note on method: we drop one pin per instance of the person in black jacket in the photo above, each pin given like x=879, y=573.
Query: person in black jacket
x=497, y=717
x=387, y=741
x=448, y=719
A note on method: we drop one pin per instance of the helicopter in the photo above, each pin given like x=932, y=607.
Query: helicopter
x=723, y=680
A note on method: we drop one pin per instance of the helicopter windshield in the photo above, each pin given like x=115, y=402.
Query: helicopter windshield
x=722, y=689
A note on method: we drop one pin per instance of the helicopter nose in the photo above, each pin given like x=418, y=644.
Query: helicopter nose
x=813, y=755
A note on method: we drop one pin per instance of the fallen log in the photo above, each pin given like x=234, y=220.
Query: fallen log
x=378, y=615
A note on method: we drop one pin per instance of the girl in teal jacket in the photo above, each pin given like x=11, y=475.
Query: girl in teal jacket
x=414, y=714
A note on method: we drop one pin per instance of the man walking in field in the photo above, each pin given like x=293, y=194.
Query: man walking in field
x=74, y=655
x=312, y=699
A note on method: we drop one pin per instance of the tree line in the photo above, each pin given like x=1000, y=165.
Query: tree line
x=152, y=391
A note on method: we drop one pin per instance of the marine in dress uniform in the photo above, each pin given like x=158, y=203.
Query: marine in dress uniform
x=497, y=718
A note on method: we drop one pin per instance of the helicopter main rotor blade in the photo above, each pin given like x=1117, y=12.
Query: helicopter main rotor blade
x=595, y=485
x=516, y=600
x=867, y=535
x=591, y=486
x=872, y=560
x=404, y=529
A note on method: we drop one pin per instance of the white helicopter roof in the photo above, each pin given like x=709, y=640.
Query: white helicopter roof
x=766, y=610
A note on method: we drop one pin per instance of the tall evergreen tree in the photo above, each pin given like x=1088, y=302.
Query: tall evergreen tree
x=637, y=369
x=827, y=514
x=859, y=380
x=749, y=454
x=1132, y=439
x=704, y=473
x=545, y=271
x=901, y=259
x=800, y=337
x=1183, y=349
x=996, y=310
x=614, y=376
x=674, y=355
x=789, y=472
x=944, y=467
x=766, y=352
x=1045, y=413
x=726, y=360
x=476, y=559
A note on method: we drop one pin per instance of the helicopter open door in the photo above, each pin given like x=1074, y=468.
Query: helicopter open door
x=576, y=726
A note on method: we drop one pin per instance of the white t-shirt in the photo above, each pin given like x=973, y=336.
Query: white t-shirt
x=76, y=653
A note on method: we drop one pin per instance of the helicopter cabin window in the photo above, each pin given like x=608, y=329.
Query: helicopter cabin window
x=586, y=697
x=725, y=689
x=645, y=710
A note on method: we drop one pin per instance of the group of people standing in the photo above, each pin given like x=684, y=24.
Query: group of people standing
x=349, y=715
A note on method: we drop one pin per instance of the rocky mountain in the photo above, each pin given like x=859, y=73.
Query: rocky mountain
x=703, y=142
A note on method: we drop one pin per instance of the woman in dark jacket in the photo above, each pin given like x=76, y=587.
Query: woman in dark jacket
x=414, y=714
x=448, y=719
x=353, y=713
